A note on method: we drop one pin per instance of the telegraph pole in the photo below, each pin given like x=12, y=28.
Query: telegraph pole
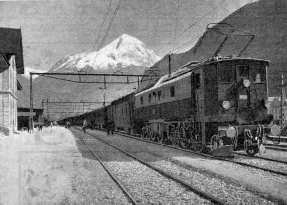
x=169, y=66
x=282, y=83
x=31, y=105
x=47, y=109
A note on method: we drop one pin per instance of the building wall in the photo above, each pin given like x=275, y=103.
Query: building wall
x=8, y=99
x=276, y=112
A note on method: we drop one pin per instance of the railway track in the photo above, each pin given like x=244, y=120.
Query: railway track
x=199, y=193
x=126, y=192
x=275, y=170
x=263, y=158
x=222, y=188
x=276, y=147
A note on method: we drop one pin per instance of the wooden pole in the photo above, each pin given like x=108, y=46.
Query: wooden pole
x=282, y=83
x=31, y=104
x=169, y=67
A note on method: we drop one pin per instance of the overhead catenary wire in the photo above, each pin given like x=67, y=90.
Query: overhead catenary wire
x=176, y=21
x=100, y=82
x=110, y=24
x=190, y=26
x=187, y=43
x=107, y=31
x=109, y=6
x=195, y=38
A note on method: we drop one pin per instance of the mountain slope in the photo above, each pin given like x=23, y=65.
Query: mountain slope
x=266, y=19
x=123, y=52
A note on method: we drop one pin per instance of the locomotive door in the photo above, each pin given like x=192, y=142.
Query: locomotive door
x=196, y=96
x=197, y=103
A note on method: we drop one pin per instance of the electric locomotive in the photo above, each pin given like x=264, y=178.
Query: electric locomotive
x=217, y=105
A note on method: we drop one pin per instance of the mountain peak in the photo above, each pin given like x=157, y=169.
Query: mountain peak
x=124, y=51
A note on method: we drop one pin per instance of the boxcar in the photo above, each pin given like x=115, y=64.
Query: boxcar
x=120, y=112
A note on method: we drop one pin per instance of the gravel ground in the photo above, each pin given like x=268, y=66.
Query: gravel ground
x=228, y=192
x=276, y=166
x=271, y=154
x=47, y=168
x=149, y=187
x=245, y=179
x=145, y=185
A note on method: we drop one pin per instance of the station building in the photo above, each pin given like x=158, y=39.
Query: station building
x=11, y=64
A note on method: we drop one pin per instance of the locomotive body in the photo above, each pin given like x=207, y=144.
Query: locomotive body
x=218, y=104
x=205, y=102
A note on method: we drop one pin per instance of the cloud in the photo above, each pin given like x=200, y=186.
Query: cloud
x=34, y=70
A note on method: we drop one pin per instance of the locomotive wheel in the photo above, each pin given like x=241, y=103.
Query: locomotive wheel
x=249, y=148
x=152, y=136
x=143, y=135
x=252, y=150
x=175, y=142
x=196, y=146
x=184, y=143
x=247, y=143
x=159, y=138
x=213, y=142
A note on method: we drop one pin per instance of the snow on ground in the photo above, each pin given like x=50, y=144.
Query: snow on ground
x=47, y=168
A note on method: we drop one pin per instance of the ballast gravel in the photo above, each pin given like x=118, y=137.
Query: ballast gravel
x=228, y=192
x=149, y=187
x=275, y=166
x=261, y=186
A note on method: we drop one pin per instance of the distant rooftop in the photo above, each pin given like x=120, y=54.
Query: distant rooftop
x=11, y=44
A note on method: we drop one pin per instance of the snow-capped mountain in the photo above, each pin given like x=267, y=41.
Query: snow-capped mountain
x=123, y=52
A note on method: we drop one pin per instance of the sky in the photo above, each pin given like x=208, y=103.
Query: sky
x=54, y=29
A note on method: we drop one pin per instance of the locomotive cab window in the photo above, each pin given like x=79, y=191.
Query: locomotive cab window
x=159, y=95
x=258, y=74
x=141, y=99
x=149, y=98
x=226, y=73
x=154, y=96
x=243, y=71
x=172, y=91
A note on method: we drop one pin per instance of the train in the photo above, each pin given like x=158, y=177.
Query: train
x=213, y=106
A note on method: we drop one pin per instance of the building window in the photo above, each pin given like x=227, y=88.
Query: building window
x=141, y=100
x=172, y=91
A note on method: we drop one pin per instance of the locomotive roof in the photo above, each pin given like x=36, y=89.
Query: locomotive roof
x=191, y=66
x=124, y=98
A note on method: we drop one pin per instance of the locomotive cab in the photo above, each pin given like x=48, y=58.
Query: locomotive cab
x=238, y=87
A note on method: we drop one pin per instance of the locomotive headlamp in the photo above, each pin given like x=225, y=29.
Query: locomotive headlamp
x=275, y=130
x=226, y=104
x=231, y=132
x=246, y=83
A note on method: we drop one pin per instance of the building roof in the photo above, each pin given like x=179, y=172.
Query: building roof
x=11, y=44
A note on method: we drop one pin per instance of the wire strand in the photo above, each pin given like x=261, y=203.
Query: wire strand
x=103, y=22
x=190, y=26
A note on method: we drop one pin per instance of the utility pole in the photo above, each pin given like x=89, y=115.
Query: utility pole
x=31, y=105
x=47, y=109
x=169, y=67
x=282, y=83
